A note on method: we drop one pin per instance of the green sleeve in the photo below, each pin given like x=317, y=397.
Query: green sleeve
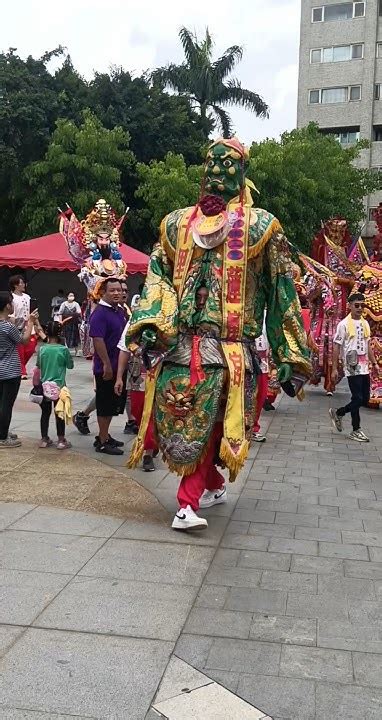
x=38, y=359
x=285, y=328
x=158, y=306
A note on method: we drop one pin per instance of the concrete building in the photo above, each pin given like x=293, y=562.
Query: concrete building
x=340, y=77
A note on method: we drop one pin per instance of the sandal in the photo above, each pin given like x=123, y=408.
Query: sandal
x=63, y=445
x=45, y=443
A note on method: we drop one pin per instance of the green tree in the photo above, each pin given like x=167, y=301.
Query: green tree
x=166, y=185
x=32, y=99
x=206, y=82
x=81, y=165
x=156, y=121
x=307, y=177
x=28, y=110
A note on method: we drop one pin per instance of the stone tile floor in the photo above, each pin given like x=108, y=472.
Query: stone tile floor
x=279, y=602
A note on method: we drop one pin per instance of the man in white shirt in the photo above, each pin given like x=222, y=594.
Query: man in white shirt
x=21, y=313
x=352, y=346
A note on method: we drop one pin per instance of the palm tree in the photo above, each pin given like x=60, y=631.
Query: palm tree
x=205, y=82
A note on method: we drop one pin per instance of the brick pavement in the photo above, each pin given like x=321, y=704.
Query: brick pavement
x=289, y=615
x=280, y=601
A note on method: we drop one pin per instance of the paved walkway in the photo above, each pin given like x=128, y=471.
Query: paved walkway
x=275, y=611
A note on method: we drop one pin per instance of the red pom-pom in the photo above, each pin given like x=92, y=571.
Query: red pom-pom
x=212, y=205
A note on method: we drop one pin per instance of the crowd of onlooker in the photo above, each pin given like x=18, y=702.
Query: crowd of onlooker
x=118, y=376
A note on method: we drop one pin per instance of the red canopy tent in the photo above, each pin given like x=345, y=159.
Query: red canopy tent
x=50, y=252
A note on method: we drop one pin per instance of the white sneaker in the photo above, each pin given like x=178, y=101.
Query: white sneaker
x=257, y=437
x=359, y=436
x=187, y=519
x=365, y=438
x=213, y=497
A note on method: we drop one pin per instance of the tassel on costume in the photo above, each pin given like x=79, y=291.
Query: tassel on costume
x=233, y=461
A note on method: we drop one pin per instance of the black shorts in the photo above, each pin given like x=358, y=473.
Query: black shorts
x=108, y=403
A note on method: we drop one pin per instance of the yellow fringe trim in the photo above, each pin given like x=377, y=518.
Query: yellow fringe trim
x=136, y=453
x=233, y=461
x=273, y=227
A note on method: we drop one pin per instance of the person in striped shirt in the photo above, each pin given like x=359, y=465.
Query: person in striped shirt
x=10, y=366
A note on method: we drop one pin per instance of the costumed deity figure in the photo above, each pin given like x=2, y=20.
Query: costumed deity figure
x=216, y=267
x=94, y=244
x=306, y=312
x=328, y=283
x=369, y=282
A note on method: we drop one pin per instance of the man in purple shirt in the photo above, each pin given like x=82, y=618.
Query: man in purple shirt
x=107, y=323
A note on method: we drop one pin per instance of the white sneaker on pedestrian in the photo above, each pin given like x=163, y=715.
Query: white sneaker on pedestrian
x=187, y=519
x=359, y=436
x=366, y=439
x=257, y=437
x=213, y=497
x=336, y=419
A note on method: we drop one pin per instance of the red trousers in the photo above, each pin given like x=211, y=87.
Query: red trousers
x=262, y=392
x=25, y=353
x=137, y=398
x=205, y=477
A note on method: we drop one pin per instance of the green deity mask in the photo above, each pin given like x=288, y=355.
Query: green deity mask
x=224, y=168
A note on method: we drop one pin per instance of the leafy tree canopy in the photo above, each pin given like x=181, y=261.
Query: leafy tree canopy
x=32, y=100
x=307, y=177
x=166, y=185
x=81, y=165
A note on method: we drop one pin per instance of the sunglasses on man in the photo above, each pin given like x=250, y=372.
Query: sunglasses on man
x=359, y=305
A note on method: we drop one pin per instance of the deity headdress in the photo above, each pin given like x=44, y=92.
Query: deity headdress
x=94, y=244
x=224, y=182
x=240, y=150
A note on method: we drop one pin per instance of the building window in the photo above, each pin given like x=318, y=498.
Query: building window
x=314, y=97
x=357, y=51
x=334, y=95
x=339, y=11
x=355, y=92
x=318, y=14
x=347, y=137
x=377, y=133
x=380, y=7
x=371, y=213
x=379, y=50
x=316, y=56
x=359, y=9
x=337, y=53
x=327, y=96
x=377, y=91
x=344, y=135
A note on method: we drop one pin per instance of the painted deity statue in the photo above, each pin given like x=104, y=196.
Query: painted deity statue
x=216, y=268
x=369, y=281
x=327, y=293
x=94, y=244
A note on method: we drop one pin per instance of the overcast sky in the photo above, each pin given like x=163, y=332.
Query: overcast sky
x=143, y=34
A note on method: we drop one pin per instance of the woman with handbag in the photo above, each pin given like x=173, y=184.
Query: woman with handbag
x=70, y=316
x=53, y=360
